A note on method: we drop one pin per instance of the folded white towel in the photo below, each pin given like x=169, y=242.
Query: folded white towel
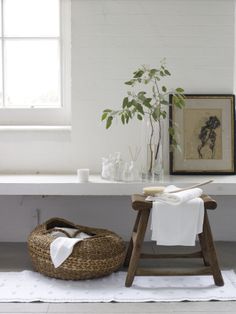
x=62, y=247
x=176, y=198
x=177, y=220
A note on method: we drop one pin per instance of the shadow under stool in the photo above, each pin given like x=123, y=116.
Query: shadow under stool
x=207, y=248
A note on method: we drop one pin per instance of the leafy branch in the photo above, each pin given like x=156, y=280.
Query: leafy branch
x=151, y=101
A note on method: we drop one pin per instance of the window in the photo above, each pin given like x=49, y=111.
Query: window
x=34, y=62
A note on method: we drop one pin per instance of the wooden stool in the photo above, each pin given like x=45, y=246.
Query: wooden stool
x=207, y=252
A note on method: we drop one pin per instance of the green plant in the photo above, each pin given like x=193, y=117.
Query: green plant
x=150, y=101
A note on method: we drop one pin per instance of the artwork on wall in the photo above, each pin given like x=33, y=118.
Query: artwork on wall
x=205, y=135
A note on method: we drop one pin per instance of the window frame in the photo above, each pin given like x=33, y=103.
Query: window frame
x=49, y=116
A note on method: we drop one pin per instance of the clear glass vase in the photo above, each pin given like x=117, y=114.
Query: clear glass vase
x=153, y=163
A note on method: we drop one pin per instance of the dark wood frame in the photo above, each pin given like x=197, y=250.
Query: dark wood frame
x=232, y=117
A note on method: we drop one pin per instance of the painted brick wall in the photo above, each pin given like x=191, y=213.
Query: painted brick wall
x=110, y=38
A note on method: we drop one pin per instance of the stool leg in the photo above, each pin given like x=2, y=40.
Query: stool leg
x=137, y=239
x=203, y=246
x=130, y=247
x=212, y=252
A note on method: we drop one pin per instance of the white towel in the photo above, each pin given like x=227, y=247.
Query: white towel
x=176, y=220
x=176, y=198
x=57, y=233
x=62, y=247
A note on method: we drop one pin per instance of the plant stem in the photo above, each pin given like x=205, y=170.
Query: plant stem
x=150, y=144
x=159, y=139
x=159, y=122
x=155, y=82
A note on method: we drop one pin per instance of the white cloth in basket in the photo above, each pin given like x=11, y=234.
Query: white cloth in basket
x=177, y=218
x=62, y=246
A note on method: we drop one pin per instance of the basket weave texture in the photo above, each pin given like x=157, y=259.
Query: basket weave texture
x=97, y=256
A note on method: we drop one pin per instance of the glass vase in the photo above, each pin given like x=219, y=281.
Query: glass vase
x=153, y=163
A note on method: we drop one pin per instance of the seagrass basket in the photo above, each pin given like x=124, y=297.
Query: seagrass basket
x=97, y=256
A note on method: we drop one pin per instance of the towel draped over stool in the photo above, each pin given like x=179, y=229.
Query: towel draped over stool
x=177, y=218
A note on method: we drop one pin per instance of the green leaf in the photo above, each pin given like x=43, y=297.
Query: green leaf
x=171, y=131
x=123, y=119
x=163, y=114
x=109, y=122
x=125, y=102
x=129, y=113
x=133, y=103
x=104, y=116
x=146, y=103
x=129, y=104
x=156, y=114
x=167, y=72
x=182, y=99
x=164, y=102
x=139, y=116
x=138, y=74
x=179, y=90
x=164, y=89
x=141, y=94
x=139, y=108
x=129, y=82
x=178, y=101
x=182, y=103
x=179, y=105
x=153, y=72
x=127, y=118
x=182, y=96
x=107, y=110
x=175, y=101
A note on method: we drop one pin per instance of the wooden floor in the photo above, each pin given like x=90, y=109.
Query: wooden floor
x=14, y=257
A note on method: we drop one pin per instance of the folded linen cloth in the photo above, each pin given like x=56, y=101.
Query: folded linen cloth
x=62, y=246
x=57, y=233
x=177, y=220
x=176, y=198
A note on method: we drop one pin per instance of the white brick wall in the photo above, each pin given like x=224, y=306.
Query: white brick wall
x=110, y=38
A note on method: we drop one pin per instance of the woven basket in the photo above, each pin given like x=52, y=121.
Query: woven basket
x=97, y=256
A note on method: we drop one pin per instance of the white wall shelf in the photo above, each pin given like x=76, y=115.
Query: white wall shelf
x=69, y=185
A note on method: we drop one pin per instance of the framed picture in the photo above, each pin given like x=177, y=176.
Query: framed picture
x=205, y=135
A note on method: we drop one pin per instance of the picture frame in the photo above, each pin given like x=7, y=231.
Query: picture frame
x=205, y=134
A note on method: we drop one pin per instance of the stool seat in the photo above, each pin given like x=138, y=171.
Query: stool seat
x=134, y=254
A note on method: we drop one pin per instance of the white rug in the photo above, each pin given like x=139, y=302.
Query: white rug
x=28, y=286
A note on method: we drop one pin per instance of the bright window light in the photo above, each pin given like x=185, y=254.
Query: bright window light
x=34, y=57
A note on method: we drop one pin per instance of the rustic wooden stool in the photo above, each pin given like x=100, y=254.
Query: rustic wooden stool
x=207, y=252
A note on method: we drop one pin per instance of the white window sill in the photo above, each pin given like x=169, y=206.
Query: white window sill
x=69, y=185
